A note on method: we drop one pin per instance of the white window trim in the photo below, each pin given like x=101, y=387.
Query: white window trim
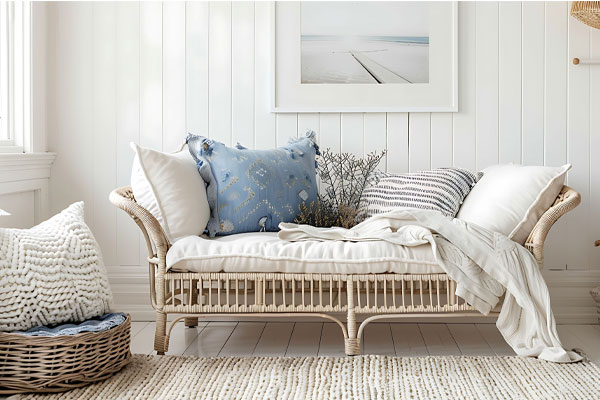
x=15, y=77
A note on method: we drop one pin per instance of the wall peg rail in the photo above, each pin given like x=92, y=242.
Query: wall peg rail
x=584, y=61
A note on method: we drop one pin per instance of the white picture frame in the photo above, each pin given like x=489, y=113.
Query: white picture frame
x=289, y=95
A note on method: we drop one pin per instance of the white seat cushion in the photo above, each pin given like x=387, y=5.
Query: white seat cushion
x=264, y=252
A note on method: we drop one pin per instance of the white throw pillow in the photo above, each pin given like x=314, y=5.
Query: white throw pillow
x=52, y=273
x=170, y=187
x=510, y=199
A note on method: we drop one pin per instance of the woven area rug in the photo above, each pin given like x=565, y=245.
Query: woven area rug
x=364, y=377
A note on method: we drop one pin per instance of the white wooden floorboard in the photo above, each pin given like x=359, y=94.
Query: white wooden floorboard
x=275, y=339
x=182, y=337
x=568, y=339
x=136, y=327
x=469, y=340
x=243, y=340
x=305, y=339
x=143, y=342
x=332, y=341
x=278, y=339
x=408, y=340
x=211, y=340
x=494, y=339
x=439, y=340
x=377, y=339
x=584, y=337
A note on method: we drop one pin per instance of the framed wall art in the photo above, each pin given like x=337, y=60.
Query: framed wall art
x=353, y=56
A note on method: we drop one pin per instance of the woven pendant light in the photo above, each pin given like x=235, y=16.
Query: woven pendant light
x=587, y=12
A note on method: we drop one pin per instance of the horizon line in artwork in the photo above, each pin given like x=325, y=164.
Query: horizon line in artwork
x=376, y=42
x=364, y=59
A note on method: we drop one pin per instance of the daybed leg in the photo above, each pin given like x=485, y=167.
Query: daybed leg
x=352, y=343
x=161, y=340
x=192, y=322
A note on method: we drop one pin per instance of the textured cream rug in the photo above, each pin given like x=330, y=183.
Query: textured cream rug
x=364, y=377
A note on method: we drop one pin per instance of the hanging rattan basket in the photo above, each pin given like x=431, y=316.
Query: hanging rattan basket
x=587, y=12
x=59, y=363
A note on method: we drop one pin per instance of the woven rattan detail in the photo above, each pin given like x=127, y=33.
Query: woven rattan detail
x=56, y=364
x=284, y=295
x=587, y=12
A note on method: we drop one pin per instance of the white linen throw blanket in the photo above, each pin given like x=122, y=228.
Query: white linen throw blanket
x=484, y=264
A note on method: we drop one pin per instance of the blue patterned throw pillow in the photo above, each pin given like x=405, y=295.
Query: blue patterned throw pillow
x=255, y=190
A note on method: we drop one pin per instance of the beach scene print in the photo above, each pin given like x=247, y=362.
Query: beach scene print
x=364, y=42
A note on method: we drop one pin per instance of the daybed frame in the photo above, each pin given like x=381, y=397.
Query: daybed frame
x=263, y=295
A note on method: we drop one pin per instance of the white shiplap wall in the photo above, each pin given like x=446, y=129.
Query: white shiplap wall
x=150, y=72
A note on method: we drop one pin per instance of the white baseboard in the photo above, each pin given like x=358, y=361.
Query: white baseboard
x=569, y=292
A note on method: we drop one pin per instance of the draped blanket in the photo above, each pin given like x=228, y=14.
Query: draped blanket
x=485, y=265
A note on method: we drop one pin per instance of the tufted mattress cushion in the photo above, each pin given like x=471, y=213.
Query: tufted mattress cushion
x=264, y=252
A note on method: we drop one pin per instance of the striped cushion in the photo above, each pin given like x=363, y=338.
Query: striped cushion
x=442, y=189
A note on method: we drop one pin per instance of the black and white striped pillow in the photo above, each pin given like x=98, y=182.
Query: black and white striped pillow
x=442, y=189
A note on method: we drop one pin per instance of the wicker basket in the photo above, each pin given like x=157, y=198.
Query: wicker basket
x=587, y=12
x=56, y=364
x=595, y=292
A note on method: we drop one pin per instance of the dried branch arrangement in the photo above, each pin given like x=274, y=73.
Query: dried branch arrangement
x=344, y=177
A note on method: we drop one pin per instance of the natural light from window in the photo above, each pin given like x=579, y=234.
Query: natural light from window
x=15, y=75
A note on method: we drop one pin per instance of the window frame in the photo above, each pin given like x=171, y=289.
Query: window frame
x=15, y=76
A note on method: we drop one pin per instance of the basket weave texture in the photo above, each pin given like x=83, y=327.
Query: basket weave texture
x=60, y=363
x=587, y=12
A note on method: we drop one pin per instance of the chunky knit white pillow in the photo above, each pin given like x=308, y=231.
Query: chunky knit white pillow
x=51, y=273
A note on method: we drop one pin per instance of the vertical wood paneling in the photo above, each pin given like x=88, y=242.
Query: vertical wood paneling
x=555, y=89
x=374, y=140
x=242, y=73
x=308, y=121
x=486, y=80
x=174, y=119
x=509, y=82
x=151, y=104
x=104, y=128
x=441, y=140
x=419, y=142
x=196, y=67
x=219, y=72
x=555, y=119
x=352, y=128
x=151, y=75
x=397, y=142
x=594, y=220
x=70, y=106
x=463, y=123
x=577, y=240
x=287, y=127
x=264, y=120
x=205, y=67
x=533, y=83
x=127, y=107
x=330, y=131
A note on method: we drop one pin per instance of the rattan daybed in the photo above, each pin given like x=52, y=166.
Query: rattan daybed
x=272, y=294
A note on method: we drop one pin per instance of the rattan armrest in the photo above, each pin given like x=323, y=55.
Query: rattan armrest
x=156, y=239
x=566, y=200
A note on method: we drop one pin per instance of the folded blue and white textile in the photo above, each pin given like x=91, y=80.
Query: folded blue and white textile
x=99, y=324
